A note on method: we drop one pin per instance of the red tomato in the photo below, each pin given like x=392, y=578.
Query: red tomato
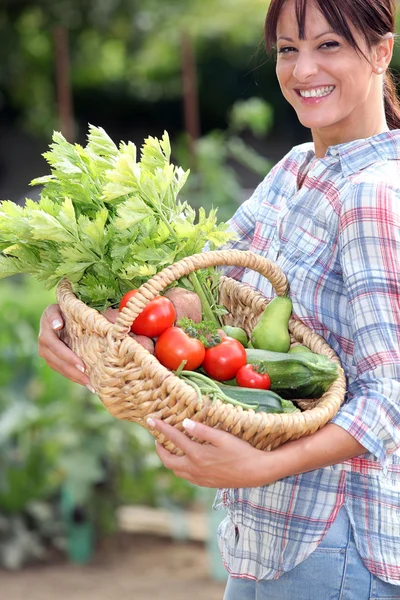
x=223, y=361
x=174, y=345
x=249, y=377
x=125, y=299
x=155, y=318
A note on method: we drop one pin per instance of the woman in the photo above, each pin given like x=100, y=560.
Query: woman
x=318, y=517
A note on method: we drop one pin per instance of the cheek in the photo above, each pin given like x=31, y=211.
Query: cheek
x=283, y=73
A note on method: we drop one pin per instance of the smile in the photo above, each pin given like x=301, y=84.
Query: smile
x=317, y=92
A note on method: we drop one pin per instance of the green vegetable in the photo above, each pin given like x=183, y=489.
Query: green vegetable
x=297, y=349
x=265, y=400
x=107, y=221
x=258, y=400
x=205, y=331
x=237, y=333
x=271, y=331
x=299, y=375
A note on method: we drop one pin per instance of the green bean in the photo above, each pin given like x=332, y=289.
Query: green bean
x=207, y=386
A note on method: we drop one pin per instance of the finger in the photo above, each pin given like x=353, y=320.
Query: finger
x=51, y=347
x=169, y=460
x=68, y=370
x=205, y=433
x=52, y=315
x=179, y=439
x=178, y=464
x=53, y=350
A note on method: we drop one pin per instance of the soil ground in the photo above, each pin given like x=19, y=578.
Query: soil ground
x=125, y=567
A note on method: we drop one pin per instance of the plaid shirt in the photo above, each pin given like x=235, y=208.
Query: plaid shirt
x=333, y=225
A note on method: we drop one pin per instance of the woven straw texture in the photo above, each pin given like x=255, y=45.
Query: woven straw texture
x=133, y=385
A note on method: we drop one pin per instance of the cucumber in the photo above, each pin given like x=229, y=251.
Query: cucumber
x=263, y=400
x=296, y=375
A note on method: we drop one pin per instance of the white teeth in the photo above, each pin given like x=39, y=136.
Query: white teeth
x=317, y=93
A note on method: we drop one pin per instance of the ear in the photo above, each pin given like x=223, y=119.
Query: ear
x=383, y=53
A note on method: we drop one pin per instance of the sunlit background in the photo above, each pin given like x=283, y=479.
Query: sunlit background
x=84, y=500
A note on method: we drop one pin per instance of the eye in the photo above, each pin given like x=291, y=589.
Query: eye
x=327, y=45
x=286, y=50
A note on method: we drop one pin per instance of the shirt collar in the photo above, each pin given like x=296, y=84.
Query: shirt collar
x=359, y=154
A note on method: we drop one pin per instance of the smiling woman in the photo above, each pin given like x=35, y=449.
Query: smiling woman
x=319, y=68
x=318, y=517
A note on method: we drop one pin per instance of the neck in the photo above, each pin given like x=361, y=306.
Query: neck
x=340, y=133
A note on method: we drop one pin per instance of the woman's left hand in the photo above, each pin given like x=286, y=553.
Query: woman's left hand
x=224, y=462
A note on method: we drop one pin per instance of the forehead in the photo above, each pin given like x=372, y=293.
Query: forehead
x=315, y=22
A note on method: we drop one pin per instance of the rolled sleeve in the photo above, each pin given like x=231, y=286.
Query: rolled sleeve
x=370, y=250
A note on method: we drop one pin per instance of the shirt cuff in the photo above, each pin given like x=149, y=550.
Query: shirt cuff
x=360, y=431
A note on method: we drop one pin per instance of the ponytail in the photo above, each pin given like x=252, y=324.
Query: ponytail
x=392, y=102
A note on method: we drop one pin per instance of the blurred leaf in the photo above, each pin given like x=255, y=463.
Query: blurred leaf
x=254, y=114
x=53, y=434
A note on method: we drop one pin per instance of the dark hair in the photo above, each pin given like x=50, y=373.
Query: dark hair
x=371, y=18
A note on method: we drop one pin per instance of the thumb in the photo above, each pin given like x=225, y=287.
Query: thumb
x=204, y=432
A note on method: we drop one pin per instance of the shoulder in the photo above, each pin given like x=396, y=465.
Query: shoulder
x=376, y=176
x=381, y=173
x=378, y=181
x=373, y=162
x=374, y=193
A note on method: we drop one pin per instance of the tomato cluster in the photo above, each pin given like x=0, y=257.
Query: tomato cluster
x=222, y=362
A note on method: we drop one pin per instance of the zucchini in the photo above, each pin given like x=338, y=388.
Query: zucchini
x=296, y=375
x=263, y=400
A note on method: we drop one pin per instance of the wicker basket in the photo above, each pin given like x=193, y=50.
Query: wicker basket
x=133, y=385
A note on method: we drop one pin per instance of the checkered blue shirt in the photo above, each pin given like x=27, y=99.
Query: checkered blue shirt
x=333, y=225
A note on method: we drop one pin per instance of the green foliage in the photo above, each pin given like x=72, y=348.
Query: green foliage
x=54, y=434
x=105, y=220
x=131, y=48
x=126, y=45
x=255, y=114
x=214, y=181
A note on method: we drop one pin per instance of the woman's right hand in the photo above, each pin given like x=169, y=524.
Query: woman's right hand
x=57, y=354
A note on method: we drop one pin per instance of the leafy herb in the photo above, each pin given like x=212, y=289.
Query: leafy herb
x=105, y=221
x=205, y=331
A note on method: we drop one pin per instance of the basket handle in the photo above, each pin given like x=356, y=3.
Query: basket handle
x=234, y=258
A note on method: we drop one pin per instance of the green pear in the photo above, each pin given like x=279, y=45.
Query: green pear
x=271, y=332
x=299, y=349
x=237, y=333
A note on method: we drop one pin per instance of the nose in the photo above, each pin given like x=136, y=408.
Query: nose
x=305, y=67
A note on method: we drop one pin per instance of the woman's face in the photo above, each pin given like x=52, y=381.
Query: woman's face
x=329, y=84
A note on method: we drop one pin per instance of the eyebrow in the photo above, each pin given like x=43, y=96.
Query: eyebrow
x=288, y=39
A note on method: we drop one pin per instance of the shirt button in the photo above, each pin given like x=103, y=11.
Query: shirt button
x=334, y=152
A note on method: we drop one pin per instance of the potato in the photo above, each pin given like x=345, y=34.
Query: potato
x=144, y=341
x=112, y=313
x=187, y=304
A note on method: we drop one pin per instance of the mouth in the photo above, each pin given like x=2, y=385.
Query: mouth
x=320, y=92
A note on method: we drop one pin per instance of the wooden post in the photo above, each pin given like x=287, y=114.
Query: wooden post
x=64, y=93
x=190, y=100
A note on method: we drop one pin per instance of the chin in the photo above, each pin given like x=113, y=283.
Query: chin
x=315, y=123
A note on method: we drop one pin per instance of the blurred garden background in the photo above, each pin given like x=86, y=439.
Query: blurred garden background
x=70, y=474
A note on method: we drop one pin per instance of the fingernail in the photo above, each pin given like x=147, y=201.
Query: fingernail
x=56, y=324
x=188, y=424
x=80, y=368
x=150, y=422
x=91, y=389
